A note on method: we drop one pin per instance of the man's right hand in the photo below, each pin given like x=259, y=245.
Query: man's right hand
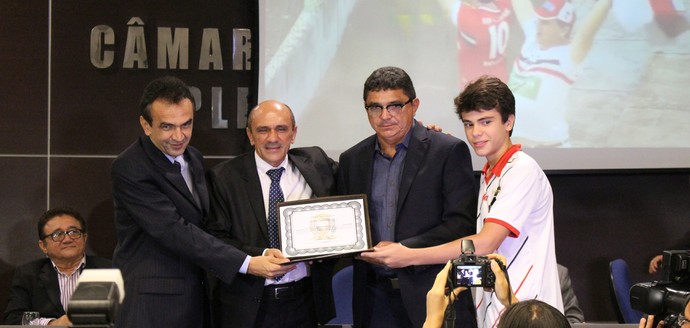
x=269, y=265
x=61, y=321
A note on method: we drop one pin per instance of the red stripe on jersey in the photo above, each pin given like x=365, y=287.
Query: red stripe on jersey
x=524, y=278
x=513, y=231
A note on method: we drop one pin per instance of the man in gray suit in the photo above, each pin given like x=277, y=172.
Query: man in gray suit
x=160, y=197
x=571, y=306
x=241, y=204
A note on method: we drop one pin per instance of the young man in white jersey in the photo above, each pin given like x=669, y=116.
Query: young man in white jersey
x=515, y=206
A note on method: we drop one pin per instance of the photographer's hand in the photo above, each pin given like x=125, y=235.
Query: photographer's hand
x=437, y=299
x=503, y=291
x=649, y=322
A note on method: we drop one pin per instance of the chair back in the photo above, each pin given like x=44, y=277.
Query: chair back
x=342, y=294
x=620, y=288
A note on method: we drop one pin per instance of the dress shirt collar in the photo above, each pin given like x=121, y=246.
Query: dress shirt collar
x=181, y=159
x=81, y=266
x=263, y=166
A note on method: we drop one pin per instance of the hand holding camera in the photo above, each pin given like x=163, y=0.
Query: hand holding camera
x=485, y=271
x=489, y=272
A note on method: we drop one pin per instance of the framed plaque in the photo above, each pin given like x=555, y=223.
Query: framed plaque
x=324, y=227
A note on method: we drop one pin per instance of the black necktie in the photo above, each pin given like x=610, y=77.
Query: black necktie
x=275, y=196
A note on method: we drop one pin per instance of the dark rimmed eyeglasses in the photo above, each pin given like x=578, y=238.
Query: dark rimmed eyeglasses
x=59, y=235
x=393, y=109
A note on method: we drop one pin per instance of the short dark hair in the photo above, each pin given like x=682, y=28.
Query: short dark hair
x=486, y=93
x=532, y=314
x=167, y=88
x=59, y=211
x=389, y=78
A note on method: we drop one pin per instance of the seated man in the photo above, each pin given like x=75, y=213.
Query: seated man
x=46, y=285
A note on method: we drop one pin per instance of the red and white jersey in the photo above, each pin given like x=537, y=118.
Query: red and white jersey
x=483, y=33
x=541, y=80
x=517, y=195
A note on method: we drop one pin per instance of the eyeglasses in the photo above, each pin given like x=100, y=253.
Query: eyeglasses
x=393, y=109
x=59, y=235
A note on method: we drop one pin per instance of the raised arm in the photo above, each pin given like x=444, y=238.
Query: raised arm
x=584, y=36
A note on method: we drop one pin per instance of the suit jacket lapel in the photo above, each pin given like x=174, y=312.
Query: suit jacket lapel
x=364, y=167
x=171, y=171
x=48, y=278
x=310, y=174
x=252, y=185
x=199, y=176
x=419, y=145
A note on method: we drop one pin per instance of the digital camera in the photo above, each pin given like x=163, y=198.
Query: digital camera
x=668, y=297
x=675, y=267
x=471, y=270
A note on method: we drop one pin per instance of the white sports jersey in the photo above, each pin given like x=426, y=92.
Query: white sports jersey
x=541, y=82
x=517, y=195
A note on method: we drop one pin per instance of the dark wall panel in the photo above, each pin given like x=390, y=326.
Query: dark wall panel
x=84, y=183
x=102, y=103
x=24, y=81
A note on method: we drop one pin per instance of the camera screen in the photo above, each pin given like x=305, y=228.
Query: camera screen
x=469, y=275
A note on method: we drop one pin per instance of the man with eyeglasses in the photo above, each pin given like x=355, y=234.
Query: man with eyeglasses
x=46, y=285
x=421, y=192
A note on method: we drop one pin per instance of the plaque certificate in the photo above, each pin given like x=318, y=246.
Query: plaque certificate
x=324, y=227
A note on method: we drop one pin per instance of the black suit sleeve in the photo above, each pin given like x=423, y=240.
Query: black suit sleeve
x=19, y=299
x=219, y=222
x=160, y=217
x=30, y=293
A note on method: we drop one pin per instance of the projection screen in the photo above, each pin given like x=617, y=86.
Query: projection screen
x=611, y=97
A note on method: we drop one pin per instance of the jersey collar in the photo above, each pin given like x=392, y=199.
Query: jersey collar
x=498, y=168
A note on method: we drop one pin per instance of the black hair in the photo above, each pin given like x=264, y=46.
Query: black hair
x=532, y=314
x=55, y=212
x=167, y=88
x=389, y=78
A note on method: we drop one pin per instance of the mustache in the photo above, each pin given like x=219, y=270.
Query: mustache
x=272, y=144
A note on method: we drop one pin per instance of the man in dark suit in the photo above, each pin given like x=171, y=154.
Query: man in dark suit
x=421, y=192
x=160, y=197
x=240, y=206
x=46, y=285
